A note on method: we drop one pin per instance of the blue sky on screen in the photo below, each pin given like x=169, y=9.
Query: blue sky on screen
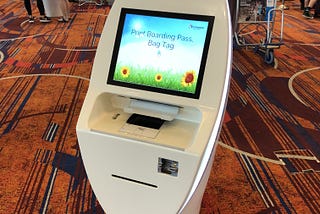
x=162, y=43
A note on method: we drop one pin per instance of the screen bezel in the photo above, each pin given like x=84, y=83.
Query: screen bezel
x=184, y=16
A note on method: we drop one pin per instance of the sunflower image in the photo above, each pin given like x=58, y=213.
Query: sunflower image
x=125, y=72
x=188, y=78
x=158, y=77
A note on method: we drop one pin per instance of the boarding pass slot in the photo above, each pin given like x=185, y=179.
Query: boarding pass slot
x=147, y=108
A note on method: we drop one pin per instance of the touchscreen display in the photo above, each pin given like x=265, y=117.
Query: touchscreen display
x=161, y=52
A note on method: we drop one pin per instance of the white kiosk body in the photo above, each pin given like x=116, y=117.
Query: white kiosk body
x=150, y=121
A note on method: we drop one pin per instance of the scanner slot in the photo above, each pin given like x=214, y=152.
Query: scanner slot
x=145, y=121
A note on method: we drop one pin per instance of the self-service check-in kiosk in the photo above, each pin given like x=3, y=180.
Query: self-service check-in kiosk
x=150, y=121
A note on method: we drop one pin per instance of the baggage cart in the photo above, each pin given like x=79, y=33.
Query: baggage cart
x=82, y=2
x=257, y=27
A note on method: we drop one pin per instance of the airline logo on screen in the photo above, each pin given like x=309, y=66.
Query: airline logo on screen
x=196, y=27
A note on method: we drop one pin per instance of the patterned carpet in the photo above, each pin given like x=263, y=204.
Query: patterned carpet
x=268, y=157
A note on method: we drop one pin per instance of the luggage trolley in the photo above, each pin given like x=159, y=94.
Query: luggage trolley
x=82, y=2
x=258, y=17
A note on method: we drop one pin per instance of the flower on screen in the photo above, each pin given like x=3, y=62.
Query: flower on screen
x=125, y=72
x=158, y=77
x=188, y=78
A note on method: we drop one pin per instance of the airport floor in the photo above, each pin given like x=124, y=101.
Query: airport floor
x=267, y=158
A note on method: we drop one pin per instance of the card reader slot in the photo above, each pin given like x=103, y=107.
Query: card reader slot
x=145, y=121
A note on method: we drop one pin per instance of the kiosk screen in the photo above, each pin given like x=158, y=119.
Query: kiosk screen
x=161, y=52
